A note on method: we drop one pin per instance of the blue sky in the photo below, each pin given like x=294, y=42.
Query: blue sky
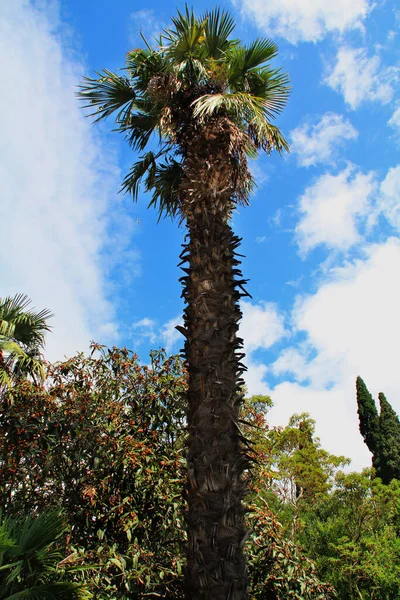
x=321, y=236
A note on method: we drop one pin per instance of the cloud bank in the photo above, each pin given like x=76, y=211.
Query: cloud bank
x=56, y=181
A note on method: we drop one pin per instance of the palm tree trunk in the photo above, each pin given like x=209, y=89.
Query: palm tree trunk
x=216, y=567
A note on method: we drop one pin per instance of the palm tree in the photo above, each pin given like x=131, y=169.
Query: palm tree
x=28, y=560
x=206, y=102
x=21, y=339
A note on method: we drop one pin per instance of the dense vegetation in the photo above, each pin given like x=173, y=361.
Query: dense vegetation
x=103, y=439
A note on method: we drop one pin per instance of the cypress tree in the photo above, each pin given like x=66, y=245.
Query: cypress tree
x=368, y=415
x=388, y=451
x=381, y=433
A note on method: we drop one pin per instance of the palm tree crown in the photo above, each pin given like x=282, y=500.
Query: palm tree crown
x=197, y=82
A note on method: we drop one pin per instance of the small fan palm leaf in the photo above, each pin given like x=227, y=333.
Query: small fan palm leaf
x=53, y=591
x=34, y=535
x=16, y=322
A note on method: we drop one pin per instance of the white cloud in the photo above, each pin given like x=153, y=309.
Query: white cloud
x=361, y=79
x=352, y=328
x=309, y=20
x=55, y=183
x=331, y=208
x=261, y=325
x=146, y=22
x=313, y=144
x=148, y=330
x=260, y=328
x=144, y=330
x=170, y=335
x=389, y=198
x=394, y=121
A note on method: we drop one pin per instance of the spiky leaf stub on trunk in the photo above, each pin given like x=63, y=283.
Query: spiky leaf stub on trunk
x=216, y=459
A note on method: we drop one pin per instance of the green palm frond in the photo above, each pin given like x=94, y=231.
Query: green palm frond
x=110, y=92
x=53, y=591
x=241, y=105
x=276, y=92
x=245, y=58
x=267, y=136
x=145, y=64
x=28, y=560
x=139, y=128
x=35, y=534
x=17, y=322
x=166, y=186
x=218, y=28
x=132, y=181
x=185, y=41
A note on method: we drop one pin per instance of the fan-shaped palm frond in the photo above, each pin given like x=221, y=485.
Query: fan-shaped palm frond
x=146, y=165
x=243, y=59
x=27, y=326
x=110, y=92
x=184, y=39
x=28, y=560
x=218, y=28
x=145, y=64
x=165, y=183
x=22, y=333
x=53, y=591
x=240, y=105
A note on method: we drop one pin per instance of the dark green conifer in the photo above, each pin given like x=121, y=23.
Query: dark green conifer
x=381, y=433
x=388, y=455
x=368, y=415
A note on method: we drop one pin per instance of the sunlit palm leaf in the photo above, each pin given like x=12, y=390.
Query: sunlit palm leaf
x=26, y=326
x=241, y=105
x=185, y=40
x=110, y=93
x=267, y=136
x=218, y=28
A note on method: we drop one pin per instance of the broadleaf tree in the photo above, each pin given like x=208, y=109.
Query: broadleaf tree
x=208, y=101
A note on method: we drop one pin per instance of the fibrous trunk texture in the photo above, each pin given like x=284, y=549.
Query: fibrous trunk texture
x=216, y=568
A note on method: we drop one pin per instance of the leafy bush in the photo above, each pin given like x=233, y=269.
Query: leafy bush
x=105, y=438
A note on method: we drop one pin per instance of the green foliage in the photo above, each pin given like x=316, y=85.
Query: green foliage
x=21, y=339
x=352, y=535
x=388, y=451
x=105, y=439
x=28, y=560
x=381, y=433
x=368, y=415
